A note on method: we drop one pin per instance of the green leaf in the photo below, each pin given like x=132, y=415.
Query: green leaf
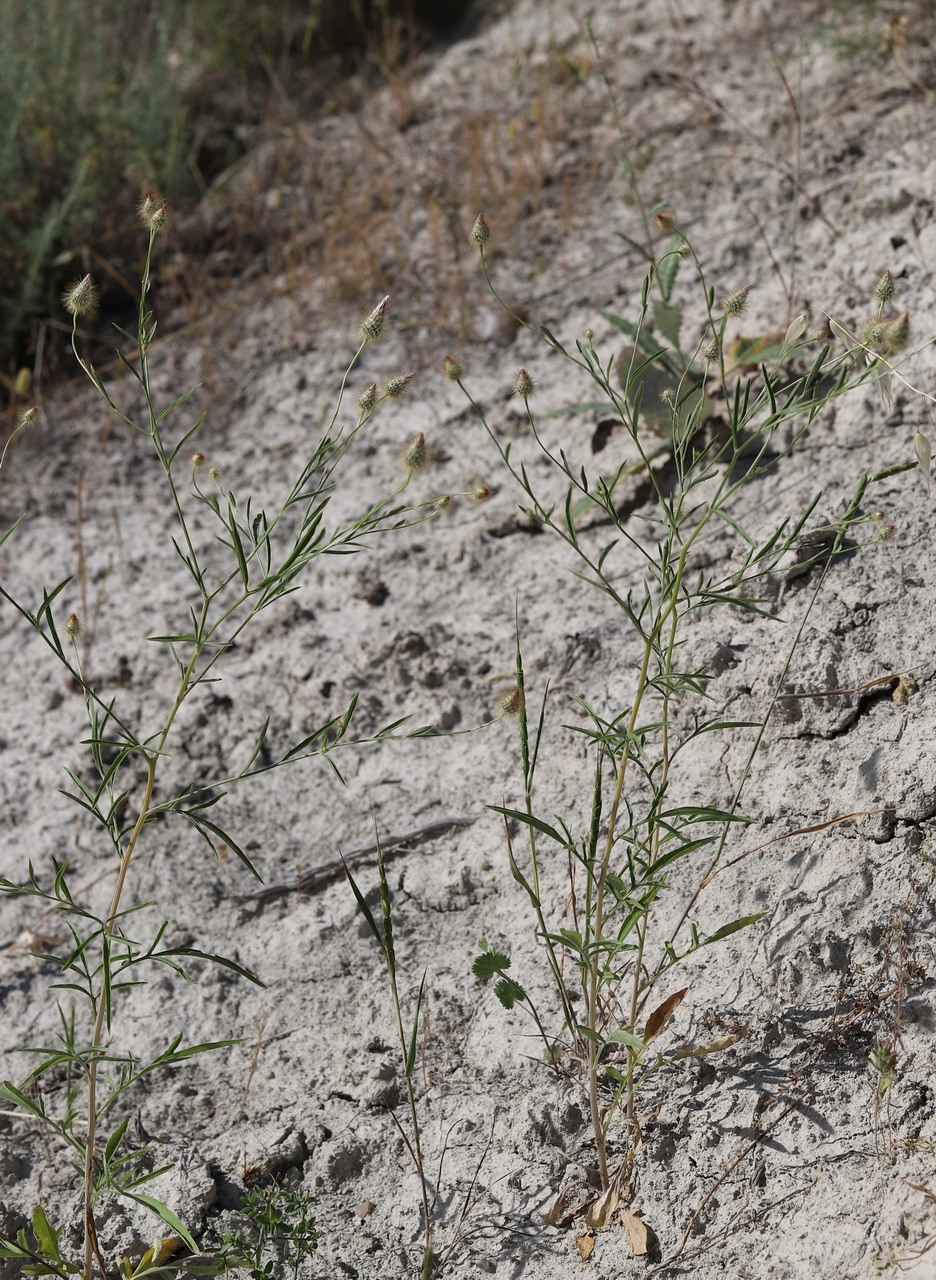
x=530, y=821
x=625, y=1037
x=163, y=1211
x=488, y=963
x=223, y=961
x=113, y=1142
x=509, y=992
x=46, y=1237
x=727, y=929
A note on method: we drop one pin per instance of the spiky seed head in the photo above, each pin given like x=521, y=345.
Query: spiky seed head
x=510, y=702
x=684, y=251
x=198, y=460
x=734, y=303
x=711, y=351
x=367, y=400
x=442, y=503
x=524, y=386
x=897, y=331
x=29, y=417
x=214, y=474
x=414, y=455
x=480, y=231
x=871, y=333
x=452, y=370
x=80, y=298
x=886, y=531
x=372, y=326
x=396, y=387
x=481, y=492
x=885, y=288
x=665, y=220
x=72, y=625
x=153, y=212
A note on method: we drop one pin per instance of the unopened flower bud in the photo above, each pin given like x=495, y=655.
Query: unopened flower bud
x=372, y=326
x=81, y=297
x=795, y=330
x=72, y=625
x=711, y=351
x=396, y=387
x=198, y=460
x=510, y=702
x=524, y=386
x=414, y=456
x=665, y=220
x=367, y=400
x=480, y=231
x=735, y=303
x=885, y=288
x=896, y=332
x=481, y=492
x=452, y=369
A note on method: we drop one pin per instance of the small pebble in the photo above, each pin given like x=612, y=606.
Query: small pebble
x=364, y=1208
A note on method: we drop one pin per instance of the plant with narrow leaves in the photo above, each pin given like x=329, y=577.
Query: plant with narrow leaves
x=605, y=958
x=263, y=553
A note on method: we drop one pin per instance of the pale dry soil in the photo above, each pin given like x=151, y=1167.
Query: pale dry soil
x=423, y=624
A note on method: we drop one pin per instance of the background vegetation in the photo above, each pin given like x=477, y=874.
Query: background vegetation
x=101, y=101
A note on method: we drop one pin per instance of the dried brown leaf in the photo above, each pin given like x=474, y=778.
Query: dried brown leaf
x=585, y=1245
x=637, y=1235
x=600, y=1210
x=662, y=1014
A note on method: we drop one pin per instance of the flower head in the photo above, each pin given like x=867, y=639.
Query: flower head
x=367, y=400
x=735, y=303
x=372, y=326
x=80, y=298
x=480, y=232
x=510, y=702
x=396, y=386
x=415, y=455
x=885, y=288
x=524, y=386
x=452, y=369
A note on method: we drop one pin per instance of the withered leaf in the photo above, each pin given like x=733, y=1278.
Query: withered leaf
x=585, y=1245
x=662, y=1014
x=600, y=1210
x=637, y=1234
